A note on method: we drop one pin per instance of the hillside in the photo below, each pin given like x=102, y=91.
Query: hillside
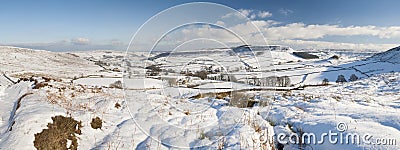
x=22, y=62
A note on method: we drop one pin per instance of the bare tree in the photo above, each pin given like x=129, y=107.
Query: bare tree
x=325, y=81
x=285, y=81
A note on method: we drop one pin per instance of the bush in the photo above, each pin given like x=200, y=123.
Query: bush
x=186, y=112
x=57, y=134
x=40, y=85
x=117, y=105
x=96, y=123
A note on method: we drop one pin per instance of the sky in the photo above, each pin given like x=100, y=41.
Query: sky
x=68, y=25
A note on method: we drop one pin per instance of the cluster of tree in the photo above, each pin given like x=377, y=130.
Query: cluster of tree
x=341, y=79
x=279, y=81
x=305, y=55
x=223, y=77
x=209, y=70
x=212, y=70
x=201, y=74
x=273, y=81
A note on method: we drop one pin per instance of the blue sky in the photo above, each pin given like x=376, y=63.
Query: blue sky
x=103, y=24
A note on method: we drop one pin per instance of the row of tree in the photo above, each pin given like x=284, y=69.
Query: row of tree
x=272, y=81
x=341, y=79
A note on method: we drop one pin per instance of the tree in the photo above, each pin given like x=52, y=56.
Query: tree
x=353, y=77
x=285, y=81
x=325, y=81
x=341, y=79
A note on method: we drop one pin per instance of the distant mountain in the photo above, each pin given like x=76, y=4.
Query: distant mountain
x=249, y=48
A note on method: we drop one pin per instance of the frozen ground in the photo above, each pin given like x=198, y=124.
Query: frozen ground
x=155, y=113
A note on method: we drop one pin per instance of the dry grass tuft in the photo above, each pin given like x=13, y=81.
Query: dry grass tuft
x=58, y=133
x=96, y=123
x=186, y=112
x=117, y=105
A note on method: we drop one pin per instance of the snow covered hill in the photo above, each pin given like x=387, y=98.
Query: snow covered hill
x=22, y=62
x=392, y=56
x=384, y=62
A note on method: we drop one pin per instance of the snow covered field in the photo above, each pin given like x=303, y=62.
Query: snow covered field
x=170, y=106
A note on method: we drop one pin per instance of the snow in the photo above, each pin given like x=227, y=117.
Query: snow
x=143, y=83
x=97, y=82
x=155, y=115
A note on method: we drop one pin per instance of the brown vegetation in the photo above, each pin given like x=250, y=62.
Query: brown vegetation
x=96, y=123
x=58, y=133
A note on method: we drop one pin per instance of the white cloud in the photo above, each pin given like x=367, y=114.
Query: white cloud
x=302, y=31
x=264, y=14
x=249, y=13
x=241, y=14
x=220, y=23
x=80, y=41
x=390, y=32
x=333, y=45
x=73, y=44
x=298, y=35
x=116, y=42
x=285, y=11
x=245, y=12
x=252, y=16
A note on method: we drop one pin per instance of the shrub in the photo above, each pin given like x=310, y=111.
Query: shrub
x=57, y=134
x=117, y=105
x=40, y=85
x=96, y=123
x=186, y=112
